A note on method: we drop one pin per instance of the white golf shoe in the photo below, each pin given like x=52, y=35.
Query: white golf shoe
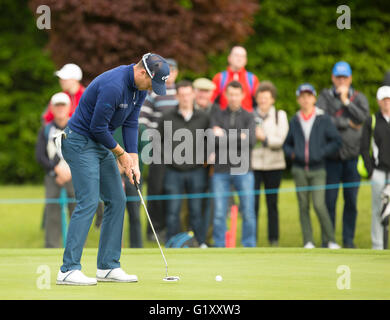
x=74, y=278
x=115, y=275
x=309, y=245
x=333, y=245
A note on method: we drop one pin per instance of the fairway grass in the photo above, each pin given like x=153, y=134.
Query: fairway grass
x=248, y=274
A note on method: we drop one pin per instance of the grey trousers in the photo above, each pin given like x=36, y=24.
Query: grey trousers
x=52, y=222
x=377, y=184
x=306, y=179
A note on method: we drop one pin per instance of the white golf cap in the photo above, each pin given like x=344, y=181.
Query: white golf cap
x=383, y=92
x=70, y=71
x=60, y=98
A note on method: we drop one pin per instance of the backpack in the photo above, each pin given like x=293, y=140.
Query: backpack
x=182, y=240
x=361, y=168
x=250, y=78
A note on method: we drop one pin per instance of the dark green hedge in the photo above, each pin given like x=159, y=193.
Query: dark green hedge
x=26, y=84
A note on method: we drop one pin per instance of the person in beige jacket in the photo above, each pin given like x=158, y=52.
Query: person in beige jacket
x=268, y=160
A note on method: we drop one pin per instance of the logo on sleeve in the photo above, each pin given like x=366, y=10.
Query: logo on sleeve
x=123, y=105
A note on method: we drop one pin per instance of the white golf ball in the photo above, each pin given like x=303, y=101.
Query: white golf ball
x=218, y=278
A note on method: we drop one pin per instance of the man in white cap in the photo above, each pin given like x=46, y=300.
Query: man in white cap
x=375, y=150
x=69, y=76
x=58, y=174
x=204, y=89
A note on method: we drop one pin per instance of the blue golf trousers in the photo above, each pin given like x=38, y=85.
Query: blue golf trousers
x=221, y=183
x=94, y=174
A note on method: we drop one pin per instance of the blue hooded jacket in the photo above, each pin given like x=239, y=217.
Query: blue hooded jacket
x=324, y=140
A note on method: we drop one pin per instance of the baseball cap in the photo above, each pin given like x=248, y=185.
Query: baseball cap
x=305, y=87
x=70, y=71
x=60, y=98
x=383, y=92
x=158, y=69
x=204, y=84
x=342, y=68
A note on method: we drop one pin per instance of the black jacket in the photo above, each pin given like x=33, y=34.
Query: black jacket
x=324, y=140
x=41, y=154
x=379, y=158
x=174, y=143
x=357, y=111
x=238, y=120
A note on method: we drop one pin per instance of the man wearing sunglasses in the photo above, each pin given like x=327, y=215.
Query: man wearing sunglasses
x=111, y=100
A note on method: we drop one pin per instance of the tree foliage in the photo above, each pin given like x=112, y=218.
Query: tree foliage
x=26, y=83
x=102, y=34
x=298, y=41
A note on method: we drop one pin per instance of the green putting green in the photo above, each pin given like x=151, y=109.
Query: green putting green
x=259, y=273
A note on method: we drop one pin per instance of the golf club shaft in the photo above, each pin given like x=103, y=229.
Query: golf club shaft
x=151, y=225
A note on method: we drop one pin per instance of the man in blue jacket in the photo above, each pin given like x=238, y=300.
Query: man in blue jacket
x=112, y=99
x=311, y=138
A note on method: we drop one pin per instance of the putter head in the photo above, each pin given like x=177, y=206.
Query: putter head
x=171, y=279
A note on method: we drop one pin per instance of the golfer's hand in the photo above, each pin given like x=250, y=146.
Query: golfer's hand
x=137, y=174
x=135, y=168
x=121, y=169
x=126, y=162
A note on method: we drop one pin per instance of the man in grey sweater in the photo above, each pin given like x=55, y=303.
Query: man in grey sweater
x=348, y=109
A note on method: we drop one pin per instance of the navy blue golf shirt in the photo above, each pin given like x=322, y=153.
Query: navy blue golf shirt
x=111, y=100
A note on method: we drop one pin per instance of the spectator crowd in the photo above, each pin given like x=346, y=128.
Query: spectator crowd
x=330, y=143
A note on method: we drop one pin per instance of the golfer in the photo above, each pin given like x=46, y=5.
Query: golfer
x=112, y=99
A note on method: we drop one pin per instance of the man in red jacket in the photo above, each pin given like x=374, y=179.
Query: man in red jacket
x=69, y=76
x=236, y=71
